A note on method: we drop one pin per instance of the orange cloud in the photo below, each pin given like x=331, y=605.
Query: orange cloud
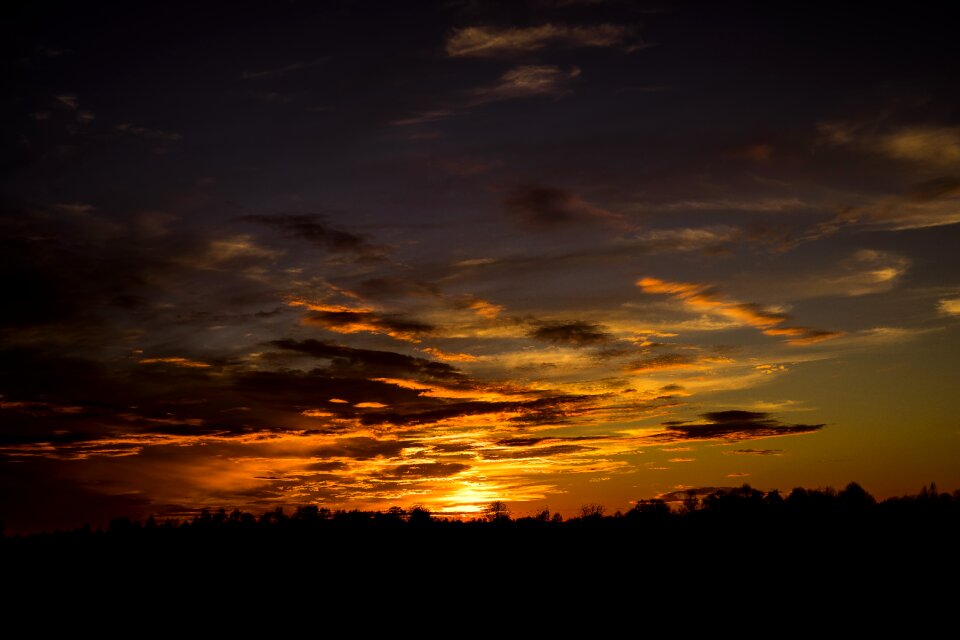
x=344, y=319
x=705, y=298
x=179, y=362
x=486, y=309
x=670, y=361
x=448, y=356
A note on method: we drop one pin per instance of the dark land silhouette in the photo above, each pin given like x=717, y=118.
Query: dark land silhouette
x=738, y=550
x=744, y=521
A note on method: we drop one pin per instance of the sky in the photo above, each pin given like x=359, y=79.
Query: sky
x=553, y=253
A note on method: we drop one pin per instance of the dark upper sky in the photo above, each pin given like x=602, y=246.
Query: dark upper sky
x=444, y=253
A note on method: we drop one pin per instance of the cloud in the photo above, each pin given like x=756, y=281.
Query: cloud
x=733, y=426
x=229, y=252
x=350, y=320
x=370, y=363
x=163, y=139
x=69, y=100
x=282, y=71
x=176, y=361
x=424, y=470
x=934, y=145
x=755, y=452
x=934, y=203
x=573, y=334
x=924, y=144
x=672, y=361
x=536, y=452
x=313, y=228
x=709, y=239
x=523, y=82
x=449, y=356
x=361, y=448
x=542, y=207
x=704, y=298
x=492, y=42
x=869, y=271
x=950, y=306
x=541, y=411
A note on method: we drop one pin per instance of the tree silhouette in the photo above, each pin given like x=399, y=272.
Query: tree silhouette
x=497, y=511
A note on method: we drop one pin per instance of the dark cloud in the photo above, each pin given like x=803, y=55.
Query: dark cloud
x=344, y=321
x=536, y=452
x=425, y=470
x=541, y=207
x=534, y=441
x=733, y=426
x=549, y=410
x=331, y=465
x=946, y=187
x=698, y=492
x=315, y=229
x=575, y=334
x=755, y=452
x=370, y=363
x=362, y=448
x=666, y=361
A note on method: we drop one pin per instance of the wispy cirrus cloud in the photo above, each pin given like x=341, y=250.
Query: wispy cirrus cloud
x=950, y=306
x=494, y=42
x=705, y=298
x=524, y=81
x=343, y=319
x=934, y=203
x=676, y=361
x=936, y=145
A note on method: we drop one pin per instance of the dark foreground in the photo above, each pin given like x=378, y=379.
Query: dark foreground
x=813, y=545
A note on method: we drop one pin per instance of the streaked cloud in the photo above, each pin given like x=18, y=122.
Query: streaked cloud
x=176, y=361
x=542, y=207
x=870, y=271
x=316, y=230
x=523, y=82
x=449, y=356
x=926, y=144
x=493, y=42
x=715, y=238
x=676, y=361
x=574, y=334
x=704, y=298
x=162, y=138
x=68, y=100
x=949, y=306
x=733, y=426
x=342, y=319
x=754, y=452
x=934, y=203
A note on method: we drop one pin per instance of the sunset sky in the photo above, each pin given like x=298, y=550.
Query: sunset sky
x=365, y=254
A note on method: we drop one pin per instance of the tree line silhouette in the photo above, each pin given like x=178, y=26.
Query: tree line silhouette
x=851, y=507
x=837, y=541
